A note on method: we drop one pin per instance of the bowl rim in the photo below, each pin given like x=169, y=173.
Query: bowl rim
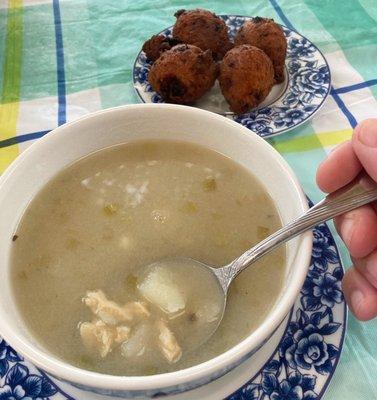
x=67, y=372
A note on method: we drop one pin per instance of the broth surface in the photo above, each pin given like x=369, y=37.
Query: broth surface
x=98, y=221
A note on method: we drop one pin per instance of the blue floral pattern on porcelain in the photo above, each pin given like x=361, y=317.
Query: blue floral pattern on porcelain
x=309, y=351
x=299, y=369
x=20, y=384
x=307, y=85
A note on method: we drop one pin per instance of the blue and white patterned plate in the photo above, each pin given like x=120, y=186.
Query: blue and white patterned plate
x=289, y=104
x=307, y=356
x=300, y=368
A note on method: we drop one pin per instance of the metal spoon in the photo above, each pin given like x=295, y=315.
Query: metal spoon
x=359, y=192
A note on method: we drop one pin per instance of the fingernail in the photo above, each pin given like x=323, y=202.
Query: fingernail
x=357, y=299
x=367, y=135
x=347, y=228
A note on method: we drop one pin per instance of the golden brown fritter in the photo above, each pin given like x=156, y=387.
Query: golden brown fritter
x=246, y=77
x=203, y=29
x=267, y=35
x=183, y=74
x=156, y=45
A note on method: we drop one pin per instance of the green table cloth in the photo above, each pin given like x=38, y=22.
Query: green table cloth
x=62, y=59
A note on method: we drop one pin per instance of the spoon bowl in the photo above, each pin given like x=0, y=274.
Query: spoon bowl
x=194, y=312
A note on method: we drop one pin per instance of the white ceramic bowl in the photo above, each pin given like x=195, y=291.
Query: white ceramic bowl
x=30, y=171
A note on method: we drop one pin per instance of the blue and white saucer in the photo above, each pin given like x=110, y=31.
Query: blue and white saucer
x=300, y=366
x=289, y=104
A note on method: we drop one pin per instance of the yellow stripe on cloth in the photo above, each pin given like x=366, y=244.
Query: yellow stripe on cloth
x=312, y=142
x=8, y=121
x=10, y=97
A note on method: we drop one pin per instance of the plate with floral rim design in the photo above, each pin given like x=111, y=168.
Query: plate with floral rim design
x=299, y=368
x=305, y=360
x=305, y=88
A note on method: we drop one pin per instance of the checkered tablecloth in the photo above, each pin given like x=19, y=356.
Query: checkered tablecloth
x=62, y=59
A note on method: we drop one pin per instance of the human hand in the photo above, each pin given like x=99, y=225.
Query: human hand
x=357, y=228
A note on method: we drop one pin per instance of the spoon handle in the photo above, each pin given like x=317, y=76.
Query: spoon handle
x=359, y=192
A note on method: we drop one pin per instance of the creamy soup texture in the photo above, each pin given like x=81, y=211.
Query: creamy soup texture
x=83, y=240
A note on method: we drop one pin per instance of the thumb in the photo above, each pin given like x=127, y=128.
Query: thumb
x=364, y=143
